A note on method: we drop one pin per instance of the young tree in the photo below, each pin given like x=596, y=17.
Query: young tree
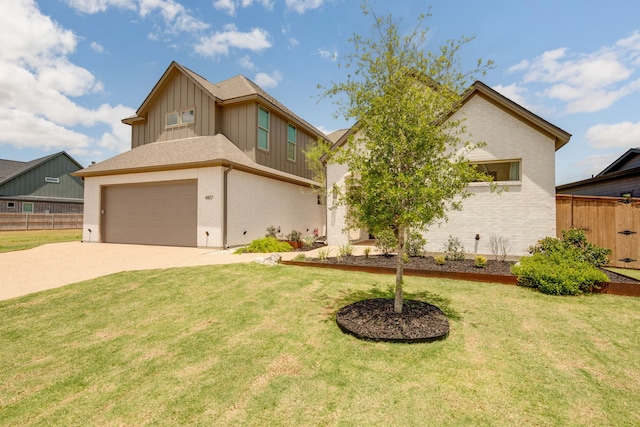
x=407, y=161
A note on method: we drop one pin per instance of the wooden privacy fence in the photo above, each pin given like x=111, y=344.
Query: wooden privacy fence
x=19, y=221
x=610, y=222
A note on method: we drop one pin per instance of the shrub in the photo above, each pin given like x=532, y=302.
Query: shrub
x=294, y=236
x=439, y=259
x=272, y=232
x=558, y=273
x=308, y=241
x=500, y=247
x=300, y=257
x=453, y=249
x=367, y=252
x=386, y=242
x=323, y=253
x=346, y=250
x=415, y=244
x=266, y=245
x=480, y=261
x=577, y=240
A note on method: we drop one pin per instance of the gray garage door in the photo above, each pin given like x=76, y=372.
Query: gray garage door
x=151, y=214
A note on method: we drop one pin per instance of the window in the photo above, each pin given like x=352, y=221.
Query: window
x=52, y=180
x=263, y=128
x=501, y=171
x=11, y=205
x=291, y=142
x=184, y=117
x=27, y=207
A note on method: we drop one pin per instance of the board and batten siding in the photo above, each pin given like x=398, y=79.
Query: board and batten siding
x=179, y=93
x=33, y=182
x=239, y=123
x=276, y=157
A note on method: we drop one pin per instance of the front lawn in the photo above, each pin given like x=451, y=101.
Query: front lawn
x=20, y=240
x=253, y=345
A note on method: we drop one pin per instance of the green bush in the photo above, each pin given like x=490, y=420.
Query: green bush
x=558, y=272
x=480, y=261
x=415, y=244
x=386, y=242
x=439, y=259
x=575, y=239
x=346, y=250
x=453, y=249
x=266, y=245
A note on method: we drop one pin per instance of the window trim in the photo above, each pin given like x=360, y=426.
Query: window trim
x=293, y=142
x=27, y=204
x=179, y=114
x=267, y=130
x=495, y=181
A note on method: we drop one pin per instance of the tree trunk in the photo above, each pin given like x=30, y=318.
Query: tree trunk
x=397, y=304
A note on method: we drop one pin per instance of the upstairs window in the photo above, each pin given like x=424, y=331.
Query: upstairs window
x=292, y=138
x=178, y=118
x=263, y=128
x=500, y=171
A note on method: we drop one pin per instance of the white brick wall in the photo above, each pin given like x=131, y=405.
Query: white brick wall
x=256, y=203
x=524, y=214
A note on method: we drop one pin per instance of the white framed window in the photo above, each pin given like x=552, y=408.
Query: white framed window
x=52, y=180
x=27, y=207
x=263, y=128
x=292, y=139
x=183, y=117
x=11, y=205
x=501, y=171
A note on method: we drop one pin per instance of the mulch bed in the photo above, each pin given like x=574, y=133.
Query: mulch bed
x=376, y=320
x=493, y=267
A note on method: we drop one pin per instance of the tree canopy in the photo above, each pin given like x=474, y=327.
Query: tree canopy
x=408, y=159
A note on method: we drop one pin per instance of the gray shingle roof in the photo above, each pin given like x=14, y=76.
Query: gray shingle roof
x=200, y=151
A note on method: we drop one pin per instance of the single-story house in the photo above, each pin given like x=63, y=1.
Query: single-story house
x=519, y=154
x=43, y=185
x=620, y=179
x=210, y=165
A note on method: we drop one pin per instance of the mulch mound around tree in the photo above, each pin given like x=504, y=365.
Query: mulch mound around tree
x=375, y=320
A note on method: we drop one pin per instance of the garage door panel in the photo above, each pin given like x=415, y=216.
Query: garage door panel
x=157, y=214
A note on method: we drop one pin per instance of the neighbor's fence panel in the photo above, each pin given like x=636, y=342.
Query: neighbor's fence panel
x=19, y=221
x=610, y=222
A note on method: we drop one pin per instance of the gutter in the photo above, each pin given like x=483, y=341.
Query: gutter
x=225, y=182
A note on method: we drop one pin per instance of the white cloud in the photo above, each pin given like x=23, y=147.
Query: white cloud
x=265, y=80
x=587, y=82
x=245, y=62
x=176, y=17
x=38, y=82
x=97, y=47
x=219, y=43
x=328, y=54
x=230, y=6
x=301, y=6
x=513, y=92
x=618, y=135
x=293, y=43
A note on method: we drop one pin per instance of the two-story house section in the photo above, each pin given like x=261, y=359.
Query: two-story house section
x=210, y=165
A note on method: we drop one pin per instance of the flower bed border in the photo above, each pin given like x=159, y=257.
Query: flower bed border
x=611, y=288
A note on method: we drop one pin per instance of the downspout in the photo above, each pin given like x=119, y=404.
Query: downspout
x=225, y=182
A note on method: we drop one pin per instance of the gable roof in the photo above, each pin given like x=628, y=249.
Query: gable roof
x=338, y=138
x=11, y=169
x=235, y=89
x=202, y=151
x=560, y=136
x=618, y=164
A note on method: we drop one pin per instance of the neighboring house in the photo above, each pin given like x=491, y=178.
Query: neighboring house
x=43, y=185
x=210, y=165
x=519, y=154
x=620, y=179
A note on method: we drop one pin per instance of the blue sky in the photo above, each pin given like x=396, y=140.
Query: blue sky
x=70, y=70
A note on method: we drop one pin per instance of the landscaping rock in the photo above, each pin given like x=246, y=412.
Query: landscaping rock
x=273, y=259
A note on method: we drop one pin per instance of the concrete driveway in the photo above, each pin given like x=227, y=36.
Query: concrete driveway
x=54, y=265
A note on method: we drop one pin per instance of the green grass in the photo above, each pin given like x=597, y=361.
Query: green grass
x=635, y=274
x=20, y=240
x=253, y=345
